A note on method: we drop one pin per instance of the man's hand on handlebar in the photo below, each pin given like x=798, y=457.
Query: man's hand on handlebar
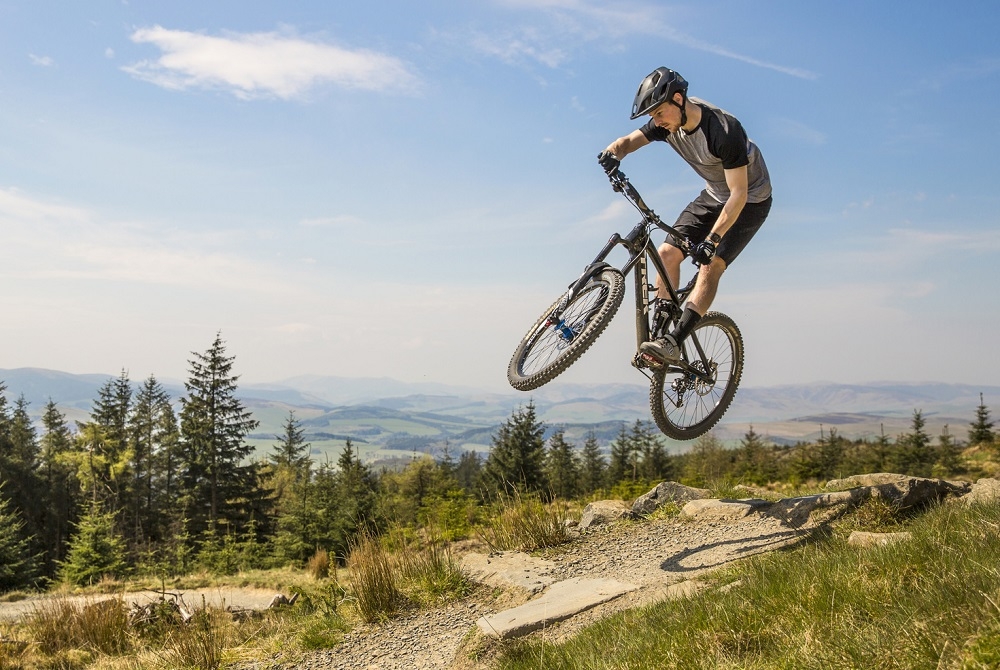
x=704, y=252
x=608, y=161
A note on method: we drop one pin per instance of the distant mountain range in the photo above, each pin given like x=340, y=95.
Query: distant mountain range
x=389, y=412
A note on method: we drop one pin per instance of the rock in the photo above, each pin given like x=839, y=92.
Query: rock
x=603, y=511
x=862, y=539
x=667, y=492
x=797, y=510
x=901, y=490
x=509, y=568
x=710, y=509
x=985, y=490
x=561, y=601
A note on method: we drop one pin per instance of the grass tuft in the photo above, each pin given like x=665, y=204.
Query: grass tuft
x=523, y=522
x=374, y=581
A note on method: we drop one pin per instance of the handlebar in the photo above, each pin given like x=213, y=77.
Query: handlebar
x=621, y=184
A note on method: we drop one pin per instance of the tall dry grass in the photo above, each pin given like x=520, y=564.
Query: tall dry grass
x=523, y=522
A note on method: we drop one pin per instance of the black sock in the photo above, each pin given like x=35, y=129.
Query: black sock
x=689, y=319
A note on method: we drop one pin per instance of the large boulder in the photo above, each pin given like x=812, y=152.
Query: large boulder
x=604, y=511
x=901, y=490
x=667, y=492
x=984, y=491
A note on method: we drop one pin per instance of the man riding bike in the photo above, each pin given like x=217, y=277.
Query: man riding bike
x=723, y=218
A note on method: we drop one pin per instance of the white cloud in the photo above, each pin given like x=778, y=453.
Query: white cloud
x=582, y=19
x=109, y=53
x=50, y=241
x=514, y=48
x=43, y=61
x=264, y=65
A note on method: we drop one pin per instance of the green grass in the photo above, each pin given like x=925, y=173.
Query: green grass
x=928, y=603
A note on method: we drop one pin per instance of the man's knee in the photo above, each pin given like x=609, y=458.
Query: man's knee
x=670, y=254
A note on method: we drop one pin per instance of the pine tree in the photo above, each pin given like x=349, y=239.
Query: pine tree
x=593, y=465
x=516, y=458
x=62, y=489
x=292, y=450
x=981, y=430
x=96, y=549
x=914, y=449
x=753, y=461
x=620, y=463
x=653, y=460
x=469, y=471
x=19, y=463
x=111, y=412
x=17, y=565
x=147, y=438
x=947, y=462
x=707, y=462
x=561, y=467
x=218, y=481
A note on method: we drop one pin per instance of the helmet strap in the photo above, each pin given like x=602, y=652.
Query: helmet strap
x=683, y=108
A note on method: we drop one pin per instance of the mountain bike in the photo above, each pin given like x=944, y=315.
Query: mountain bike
x=686, y=398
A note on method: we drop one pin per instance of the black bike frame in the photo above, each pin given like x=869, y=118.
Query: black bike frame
x=640, y=247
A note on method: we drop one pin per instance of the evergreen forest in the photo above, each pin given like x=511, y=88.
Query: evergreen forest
x=153, y=486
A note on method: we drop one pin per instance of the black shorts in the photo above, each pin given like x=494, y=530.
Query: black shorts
x=697, y=219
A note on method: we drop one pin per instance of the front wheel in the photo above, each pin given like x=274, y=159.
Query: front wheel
x=688, y=399
x=553, y=344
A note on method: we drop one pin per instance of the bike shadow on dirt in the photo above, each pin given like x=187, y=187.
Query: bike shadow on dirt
x=715, y=554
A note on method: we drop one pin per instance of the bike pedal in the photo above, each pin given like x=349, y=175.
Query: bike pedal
x=644, y=360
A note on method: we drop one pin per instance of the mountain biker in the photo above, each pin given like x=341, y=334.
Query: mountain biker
x=723, y=218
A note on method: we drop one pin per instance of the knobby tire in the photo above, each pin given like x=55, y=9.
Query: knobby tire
x=702, y=404
x=546, y=351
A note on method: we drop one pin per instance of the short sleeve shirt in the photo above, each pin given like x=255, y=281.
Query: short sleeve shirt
x=719, y=143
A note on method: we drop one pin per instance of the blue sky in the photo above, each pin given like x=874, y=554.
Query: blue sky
x=398, y=189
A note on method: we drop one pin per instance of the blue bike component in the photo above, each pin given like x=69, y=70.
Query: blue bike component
x=565, y=331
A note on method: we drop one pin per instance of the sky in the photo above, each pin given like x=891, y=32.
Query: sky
x=398, y=189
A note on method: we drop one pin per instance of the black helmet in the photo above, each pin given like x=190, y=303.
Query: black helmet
x=658, y=86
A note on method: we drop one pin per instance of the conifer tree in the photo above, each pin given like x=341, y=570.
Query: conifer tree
x=218, y=482
x=516, y=458
x=469, y=470
x=622, y=458
x=593, y=465
x=19, y=462
x=17, y=565
x=147, y=439
x=292, y=450
x=62, y=489
x=96, y=549
x=981, y=430
x=947, y=462
x=753, y=461
x=561, y=467
x=914, y=455
x=652, y=461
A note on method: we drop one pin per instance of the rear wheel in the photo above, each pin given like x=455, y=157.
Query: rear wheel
x=687, y=400
x=553, y=344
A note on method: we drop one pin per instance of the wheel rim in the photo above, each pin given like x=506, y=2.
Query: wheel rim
x=688, y=399
x=553, y=338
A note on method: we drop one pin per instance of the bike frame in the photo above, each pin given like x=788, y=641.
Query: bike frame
x=642, y=251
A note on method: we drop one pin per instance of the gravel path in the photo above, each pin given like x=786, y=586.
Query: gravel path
x=650, y=554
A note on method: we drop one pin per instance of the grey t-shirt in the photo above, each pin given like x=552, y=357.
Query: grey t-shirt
x=719, y=143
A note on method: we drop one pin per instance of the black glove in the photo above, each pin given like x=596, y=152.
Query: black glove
x=608, y=161
x=704, y=252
